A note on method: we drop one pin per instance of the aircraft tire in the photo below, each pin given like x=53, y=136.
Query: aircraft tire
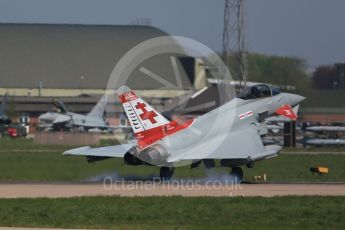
x=166, y=173
x=250, y=165
x=238, y=173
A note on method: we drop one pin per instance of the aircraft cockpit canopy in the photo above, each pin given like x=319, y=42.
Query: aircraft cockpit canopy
x=258, y=91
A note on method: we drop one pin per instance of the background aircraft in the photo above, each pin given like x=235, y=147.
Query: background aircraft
x=230, y=133
x=325, y=129
x=66, y=120
x=326, y=136
x=4, y=120
x=309, y=141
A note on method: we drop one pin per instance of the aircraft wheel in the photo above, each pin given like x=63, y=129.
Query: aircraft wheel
x=166, y=173
x=238, y=173
x=250, y=165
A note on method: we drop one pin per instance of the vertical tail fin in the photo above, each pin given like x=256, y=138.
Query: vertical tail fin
x=147, y=124
x=99, y=108
x=139, y=113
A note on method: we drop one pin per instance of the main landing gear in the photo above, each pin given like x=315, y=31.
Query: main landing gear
x=237, y=172
x=166, y=173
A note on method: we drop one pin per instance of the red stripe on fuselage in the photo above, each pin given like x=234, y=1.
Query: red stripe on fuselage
x=150, y=136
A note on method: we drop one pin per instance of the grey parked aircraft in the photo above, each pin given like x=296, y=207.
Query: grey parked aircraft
x=323, y=142
x=67, y=120
x=325, y=128
x=230, y=133
x=4, y=120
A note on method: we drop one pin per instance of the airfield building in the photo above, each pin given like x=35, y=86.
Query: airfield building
x=40, y=62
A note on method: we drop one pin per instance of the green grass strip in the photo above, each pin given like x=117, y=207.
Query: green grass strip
x=176, y=213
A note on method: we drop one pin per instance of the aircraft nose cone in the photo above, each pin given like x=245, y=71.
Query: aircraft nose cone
x=296, y=99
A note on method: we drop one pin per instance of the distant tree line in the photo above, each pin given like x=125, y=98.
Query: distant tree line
x=282, y=71
x=289, y=71
x=326, y=77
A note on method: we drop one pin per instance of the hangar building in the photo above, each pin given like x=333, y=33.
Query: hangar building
x=40, y=62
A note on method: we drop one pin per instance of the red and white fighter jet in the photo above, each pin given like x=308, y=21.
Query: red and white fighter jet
x=230, y=134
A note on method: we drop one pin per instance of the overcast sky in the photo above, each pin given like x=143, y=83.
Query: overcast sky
x=311, y=29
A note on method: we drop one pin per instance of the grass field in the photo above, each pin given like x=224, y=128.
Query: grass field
x=21, y=160
x=176, y=213
x=325, y=99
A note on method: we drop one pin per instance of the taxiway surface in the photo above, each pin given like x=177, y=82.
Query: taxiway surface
x=168, y=189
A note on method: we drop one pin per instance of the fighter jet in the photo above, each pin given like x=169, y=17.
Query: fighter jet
x=230, y=134
x=4, y=120
x=66, y=120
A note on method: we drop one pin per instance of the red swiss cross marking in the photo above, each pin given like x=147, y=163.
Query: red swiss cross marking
x=146, y=115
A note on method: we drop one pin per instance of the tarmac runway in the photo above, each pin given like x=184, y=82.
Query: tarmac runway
x=144, y=189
